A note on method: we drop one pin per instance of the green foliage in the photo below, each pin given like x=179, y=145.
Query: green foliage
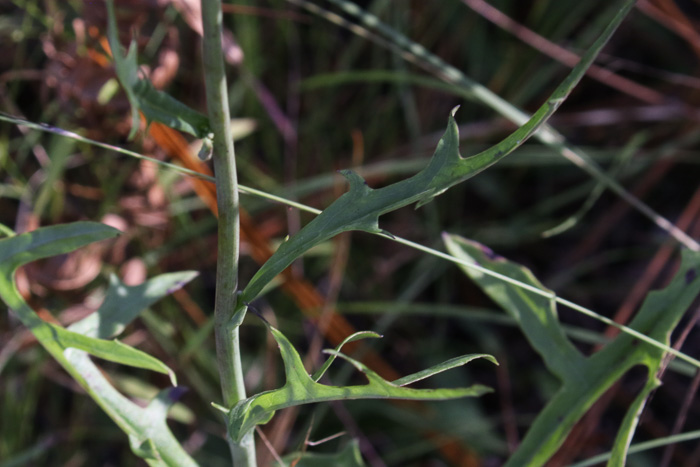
x=360, y=208
x=300, y=388
x=146, y=427
x=584, y=379
x=123, y=303
x=51, y=241
x=156, y=105
x=388, y=37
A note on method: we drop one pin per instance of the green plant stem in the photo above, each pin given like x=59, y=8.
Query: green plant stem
x=227, y=331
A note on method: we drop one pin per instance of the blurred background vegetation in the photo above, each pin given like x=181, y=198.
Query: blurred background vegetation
x=310, y=98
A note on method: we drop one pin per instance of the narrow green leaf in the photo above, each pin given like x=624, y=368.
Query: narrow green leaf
x=58, y=239
x=444, y=366
x=625, y=433
x=162, y=107
x=657, y=318
x=155, y=105
x=535, y=314
x=420, y=56
x=588, y=378
x=300, y=389
x=113, y=351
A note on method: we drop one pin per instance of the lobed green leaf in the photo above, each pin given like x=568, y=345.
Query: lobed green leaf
x=361, y=206
x=300, y=389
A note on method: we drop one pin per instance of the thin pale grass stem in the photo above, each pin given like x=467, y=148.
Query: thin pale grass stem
x=192, y=173
x=690, y=396
x=69, y=134
x=326, y=439
x=640, y=447
x=544, y=293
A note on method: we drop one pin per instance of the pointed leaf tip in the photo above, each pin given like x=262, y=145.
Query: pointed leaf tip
x=353, y=178
x=454, y=110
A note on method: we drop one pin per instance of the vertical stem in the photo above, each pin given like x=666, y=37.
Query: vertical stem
x=227, y=335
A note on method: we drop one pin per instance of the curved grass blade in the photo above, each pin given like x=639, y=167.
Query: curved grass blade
x=352, y=338
x=641, y=447
x=300, y=389
x=586, y=378
x=440, y=367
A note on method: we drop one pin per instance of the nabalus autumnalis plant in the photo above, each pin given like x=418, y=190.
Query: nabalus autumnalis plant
x=358, y=209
